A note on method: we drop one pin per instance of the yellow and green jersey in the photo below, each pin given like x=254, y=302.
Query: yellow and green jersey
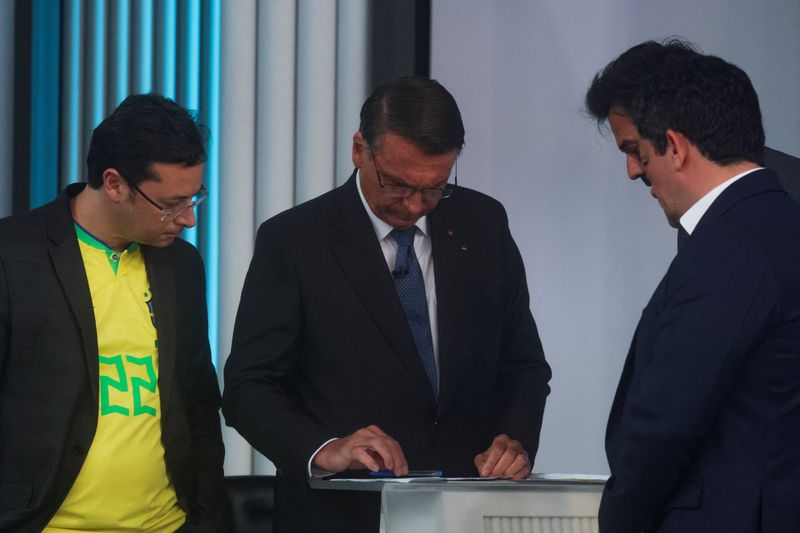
x=123, y=484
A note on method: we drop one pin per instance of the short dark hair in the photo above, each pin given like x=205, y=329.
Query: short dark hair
x=415, y=108
x=673, y=86
x=144, y=129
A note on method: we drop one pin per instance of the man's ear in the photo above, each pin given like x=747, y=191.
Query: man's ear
x=678, y=147
x=360, y=150
x=114, y=185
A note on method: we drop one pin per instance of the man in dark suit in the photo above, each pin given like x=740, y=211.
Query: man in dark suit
x=108, y=398
x=704, y=432
x=386, y=325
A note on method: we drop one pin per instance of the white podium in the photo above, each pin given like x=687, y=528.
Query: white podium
x=539, y=504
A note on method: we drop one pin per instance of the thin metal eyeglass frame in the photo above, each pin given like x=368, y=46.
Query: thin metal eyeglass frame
x=445, y=192
x=170, y=214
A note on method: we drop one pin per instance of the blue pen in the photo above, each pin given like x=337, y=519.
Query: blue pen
x=382, y=473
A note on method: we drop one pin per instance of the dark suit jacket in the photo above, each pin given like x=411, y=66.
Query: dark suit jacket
x=704, y=433
x=49, y=371
x=788, y=169
x=321, y=348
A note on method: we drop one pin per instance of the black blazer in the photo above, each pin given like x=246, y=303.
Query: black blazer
x=321, y=348
x=788, y=169
x=49, y=371
x=704, y=433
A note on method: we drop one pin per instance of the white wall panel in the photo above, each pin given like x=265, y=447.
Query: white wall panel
x=237, y=184
x=351, y=84
x=315, y=113
x=276, y=107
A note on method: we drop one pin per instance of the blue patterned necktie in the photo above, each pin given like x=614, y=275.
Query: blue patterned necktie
x=410, y=288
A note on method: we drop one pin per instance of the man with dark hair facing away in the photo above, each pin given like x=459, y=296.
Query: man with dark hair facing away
x=386, y=325
x=108, y=399
x=704, y=431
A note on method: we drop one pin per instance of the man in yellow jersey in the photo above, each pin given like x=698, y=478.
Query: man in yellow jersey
x=108, y=398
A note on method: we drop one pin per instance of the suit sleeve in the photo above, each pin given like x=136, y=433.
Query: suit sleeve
x=719, y=296
x=266, y=346
x=524, y=374
x=203, y=408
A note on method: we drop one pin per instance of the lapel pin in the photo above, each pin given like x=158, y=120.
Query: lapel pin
x=464, y=248
x=449, y=232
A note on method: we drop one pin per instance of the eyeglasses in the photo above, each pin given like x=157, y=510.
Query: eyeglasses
x=396, y=190
x=170, y=213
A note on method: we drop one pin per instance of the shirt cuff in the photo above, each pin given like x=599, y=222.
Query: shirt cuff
x=315, y=471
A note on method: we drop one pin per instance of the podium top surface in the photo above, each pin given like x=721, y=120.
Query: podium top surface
x=534, y=483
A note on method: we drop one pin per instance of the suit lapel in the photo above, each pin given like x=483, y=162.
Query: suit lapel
x=162, y=287
x=68, y=265
x=450, y=249
x=359, y=255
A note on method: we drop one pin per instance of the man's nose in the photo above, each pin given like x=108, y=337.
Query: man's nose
x=635, y=169
x=186, y=218
x=414, y=203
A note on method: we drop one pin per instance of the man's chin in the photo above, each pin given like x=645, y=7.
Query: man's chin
x=163, y=241
x=403, y=226
x=403, y=223
x=674, y=221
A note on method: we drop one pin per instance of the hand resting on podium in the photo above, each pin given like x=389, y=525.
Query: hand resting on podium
x=368, y=447
x=505, y=458
x=371, y=448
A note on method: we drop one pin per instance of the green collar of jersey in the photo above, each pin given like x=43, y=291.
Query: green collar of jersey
x=112, y=255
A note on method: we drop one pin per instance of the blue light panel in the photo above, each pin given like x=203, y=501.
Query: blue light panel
x=210, y=247
x=190, y=74
x=144, y=54
x=45, y=49
x=97, y=84
x=168, y=44
x=122, y=59
x=72, y=113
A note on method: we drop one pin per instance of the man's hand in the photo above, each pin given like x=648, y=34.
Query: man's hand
x=504, y=458
x=368, y=447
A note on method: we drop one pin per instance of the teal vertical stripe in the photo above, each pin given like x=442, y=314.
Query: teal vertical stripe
x=190, y=73
x=97, y=67
x=122, y=55
x=168, y=17
x=71, y=140
x=191, y=70
x=45, y=49
x=143, y=75
x=210, y=227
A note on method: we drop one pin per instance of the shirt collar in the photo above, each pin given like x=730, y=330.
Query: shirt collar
x=87, y=238
x=382, y=229
x=692, y=217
